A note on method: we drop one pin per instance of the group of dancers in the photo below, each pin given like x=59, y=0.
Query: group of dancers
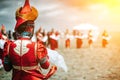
x=89, y=36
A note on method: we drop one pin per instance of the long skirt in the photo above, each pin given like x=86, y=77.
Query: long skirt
x=67, y=43
x=104, y=43
x=78, y=43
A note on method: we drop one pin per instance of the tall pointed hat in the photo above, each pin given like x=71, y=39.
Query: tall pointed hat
x=3, y=27
x=25, y=13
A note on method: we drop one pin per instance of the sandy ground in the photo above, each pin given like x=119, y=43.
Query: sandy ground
x=86, y=63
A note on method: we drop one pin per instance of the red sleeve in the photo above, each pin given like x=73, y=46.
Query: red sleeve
x=5, y=58
x=42, y=55
x=5, y=50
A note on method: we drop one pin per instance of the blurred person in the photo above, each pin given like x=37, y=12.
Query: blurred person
x=2, y=42
x=3, y=31
x=57, y=34
x=53, y=40
x=48, y=41
x=24, y=57
x=3, y=39
x=9, y=35
x=67, y=41
x=1, y=45
x=42, y=36
x=90, y=38
x=45, y=37
x=39, y=35
x=105, y=38
x=79, y=41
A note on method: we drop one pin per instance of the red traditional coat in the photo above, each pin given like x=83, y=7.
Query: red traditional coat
x=53, y=42
x=25, y=56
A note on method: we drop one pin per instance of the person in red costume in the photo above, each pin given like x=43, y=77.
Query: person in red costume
x=105, y=38
x=24, y=57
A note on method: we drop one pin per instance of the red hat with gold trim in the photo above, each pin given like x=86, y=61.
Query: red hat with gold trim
x=25, y=13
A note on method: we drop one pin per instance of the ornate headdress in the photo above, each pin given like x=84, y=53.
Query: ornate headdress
x=24, y=14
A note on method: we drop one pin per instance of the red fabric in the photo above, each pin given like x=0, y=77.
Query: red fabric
x=90, y=41
x=78, y=43
x=42, y=52
x=53, y=44
x=45, y=65
x=6, y=47
x=19, y=22
x=0, y=35
x=104, y=42
x=51, y=72
x=26, y=7
x=27, y=60
x=67, y=43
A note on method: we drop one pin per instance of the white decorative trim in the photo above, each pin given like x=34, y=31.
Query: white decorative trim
x=21, y=47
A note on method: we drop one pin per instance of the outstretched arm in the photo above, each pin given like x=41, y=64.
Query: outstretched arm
x=42, y=55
